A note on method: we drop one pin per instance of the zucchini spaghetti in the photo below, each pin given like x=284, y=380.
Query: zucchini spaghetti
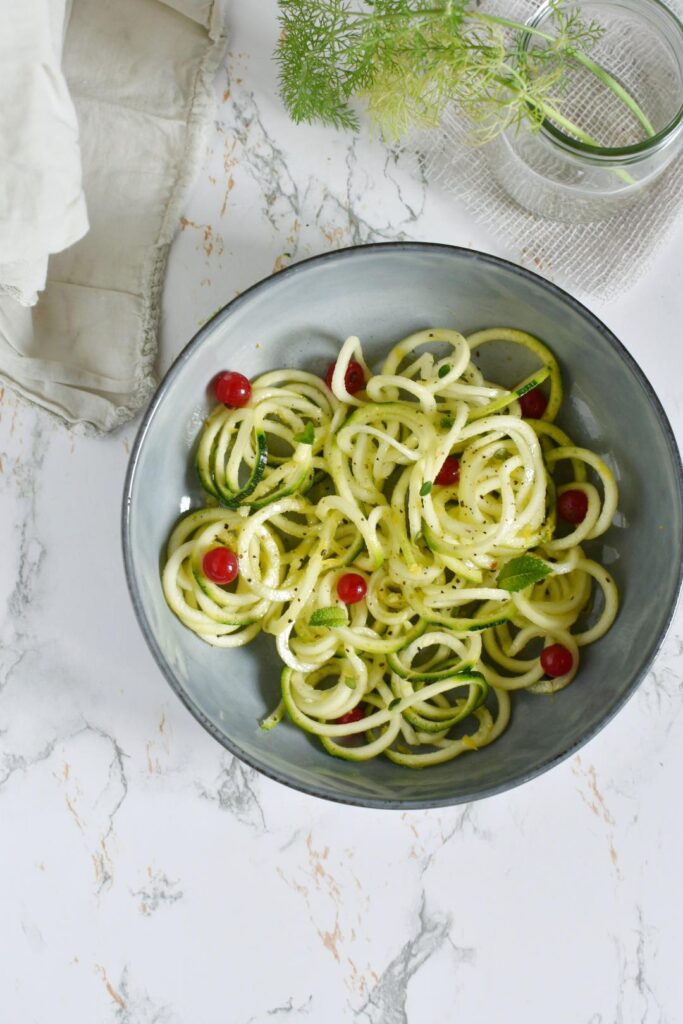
x=412, y=539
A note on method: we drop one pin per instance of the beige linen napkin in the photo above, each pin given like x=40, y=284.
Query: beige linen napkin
x=140, y=74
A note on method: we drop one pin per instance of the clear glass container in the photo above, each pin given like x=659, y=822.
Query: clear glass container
x=552, y=172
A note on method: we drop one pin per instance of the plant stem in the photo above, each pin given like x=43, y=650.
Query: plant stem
x=564, y=122
x=551, y=113
x=493, y=19
x=617, y=89
x=582, y=58
x=600, y=73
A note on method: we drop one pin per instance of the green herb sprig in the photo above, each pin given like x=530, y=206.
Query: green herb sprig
x=408, y=59
x=523, y=572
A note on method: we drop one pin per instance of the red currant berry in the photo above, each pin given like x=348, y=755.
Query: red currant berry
x=534, y=403
x=354, y=715
x=449, y=473
x=351, y=588
x=220, y=565
x=354, y=378
x=232, y=389
x=556, y=660
x=572, y=506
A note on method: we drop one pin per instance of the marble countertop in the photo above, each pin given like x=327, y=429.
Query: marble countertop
x=147, y=877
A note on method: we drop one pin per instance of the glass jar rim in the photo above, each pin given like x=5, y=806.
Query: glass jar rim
x=611, y=153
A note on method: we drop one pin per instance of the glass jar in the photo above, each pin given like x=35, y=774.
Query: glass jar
x=552, y=172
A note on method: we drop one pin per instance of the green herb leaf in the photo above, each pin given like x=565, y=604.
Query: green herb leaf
x=446, y=422
x=329, y=617
x=426, y=488
x=445, y=370
x=521, y=572
x=393, y=704
x=409, y=59
x=307, y=436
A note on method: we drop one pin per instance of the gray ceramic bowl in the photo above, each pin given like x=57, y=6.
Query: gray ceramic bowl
x=381, y=293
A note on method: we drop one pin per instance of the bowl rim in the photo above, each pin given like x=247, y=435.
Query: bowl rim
x=338, y=255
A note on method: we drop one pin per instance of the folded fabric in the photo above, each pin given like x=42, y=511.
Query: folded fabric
x=140, y=75
x=42, y=206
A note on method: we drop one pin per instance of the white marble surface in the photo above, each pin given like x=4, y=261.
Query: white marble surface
x=148, y=878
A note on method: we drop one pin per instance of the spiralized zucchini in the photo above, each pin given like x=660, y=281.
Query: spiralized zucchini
x=306, y=483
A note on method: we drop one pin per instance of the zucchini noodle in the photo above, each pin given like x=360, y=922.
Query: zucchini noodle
x=308, y=482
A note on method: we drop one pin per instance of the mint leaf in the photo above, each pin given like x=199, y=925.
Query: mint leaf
x=425, y=489
x=393, y=704
x=307, y=436
x=444, y=370
x=522, y=572
x=329, y=617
